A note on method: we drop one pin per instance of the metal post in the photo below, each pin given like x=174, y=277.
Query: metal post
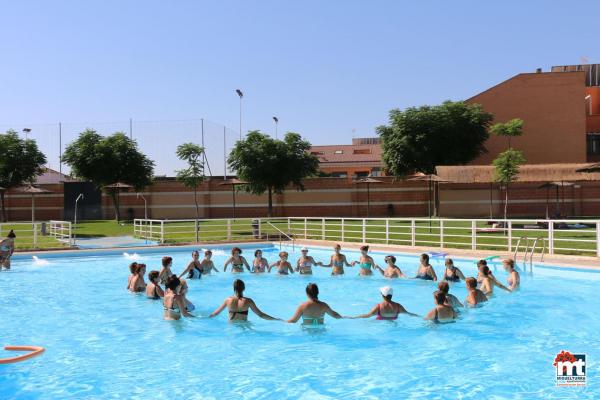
x=260, y=228
x=240, y=117
x=413, y=232
x=60, y=148
x=228, y=229
x=130, y=128
x=342, y=229
x=34, y=235
x=441, y=233
x=364, y=231
x=551, y=236
x=196, y=229
x=305, y=229
x=473, y=235
x=598, y=239
x=509, y=227
x=323, y=229
x=387, y=231
x=162, y=231
x=225, y=153
x=202, y=140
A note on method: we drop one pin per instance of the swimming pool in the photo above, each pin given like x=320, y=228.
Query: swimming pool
x=103, y=342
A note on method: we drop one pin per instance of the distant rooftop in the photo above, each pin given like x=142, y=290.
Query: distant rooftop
x=51, y=176
x=361, y=150
x=592, y=76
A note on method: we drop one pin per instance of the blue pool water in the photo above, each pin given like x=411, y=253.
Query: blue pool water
x=103, y=342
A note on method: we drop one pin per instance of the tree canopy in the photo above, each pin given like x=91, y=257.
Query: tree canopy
x=269, y=165
x=193, y=175
x=419, y=139
x=506, y=170
x=106, y=160
x=20, y=162
x=509, y=129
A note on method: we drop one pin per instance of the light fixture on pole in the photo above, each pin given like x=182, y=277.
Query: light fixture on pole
x=239, y=93
x=276, y=123
x=26, y=131
x=145, y=205
x=75, y=218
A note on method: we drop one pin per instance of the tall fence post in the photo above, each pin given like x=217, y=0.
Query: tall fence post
x=509, y=227
x=473, y=235
x=34, y=225
x=364, y=230
x=260, y=229
x=196, y=229
x=441, y=233
x=322, y=228
x=551, y=237
x=289, y=226
x=162, y=231
x=387, y=231
x=413, y=232
x=228, y=229
x=598, y=239
x=305, y=229
x=342, y=229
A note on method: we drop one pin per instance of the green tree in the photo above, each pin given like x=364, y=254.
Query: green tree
x=269, y=165
x=509, y=129
x=20, y=162
x=506, y=170
x=106, y=160
x=193, y=175
x=419, y=139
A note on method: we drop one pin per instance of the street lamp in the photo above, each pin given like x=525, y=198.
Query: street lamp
x=239, y=93
x=26, y=131
x=276, y=123
x=75, y=219
x=145, y=205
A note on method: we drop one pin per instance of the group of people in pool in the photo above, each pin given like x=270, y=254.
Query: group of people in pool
x=312, y=312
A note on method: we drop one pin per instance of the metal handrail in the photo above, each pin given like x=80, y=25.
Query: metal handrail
x=517, y=247
x=531, y=254
x=284, y=234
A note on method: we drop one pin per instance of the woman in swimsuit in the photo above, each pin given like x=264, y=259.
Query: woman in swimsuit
x=194, y=268
x=514, y=280
x=305, y=263
x=207, y=265
x=183, y=291
x=239, y=305
x=237, y=261
x=387, y=309
x=165, y=272
x=366, y=262
x=137, y=283
x=392, y=271
x=132, y=273
x=488, y=282
x=452, y=273
x=442, y=312
x=260, y=264
x=283, y=266
x=475, y=296
x=153, y=290
x=337, y=261
x=451, y=300
x=426, y=271
x=173, y=302
x=313, y=311
x=7, y=248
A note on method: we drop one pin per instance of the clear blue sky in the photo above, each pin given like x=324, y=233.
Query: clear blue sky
x=324, y=68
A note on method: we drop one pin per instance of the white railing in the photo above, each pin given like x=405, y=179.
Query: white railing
x=578, y=237
x=35, y=235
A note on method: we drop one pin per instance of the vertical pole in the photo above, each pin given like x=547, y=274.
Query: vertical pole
x=305, y=229
x=551, y=236
x=441, y=233
x=130, y=128
x=224, y=154
x=34, y=235
x=473, y=235
x=413, y=232
x=32, y=208
x=240, y=117
x=368, y=201
x=260, y=228
x=196, y=229
x=289, y=226
x=509, y=227
x=162, y=231
x=323, y=229
x=202, y=140
x=60, y=148
x=598, y=237
x=387, y=231
x=364, y=231
x=342, y=229
x=228, y=229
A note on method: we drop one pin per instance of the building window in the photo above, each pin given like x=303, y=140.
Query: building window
x=376, y=172
x=362, y=151
x=317, y=153
x=593, y=144
x=339, y=152
x=362, y=174
x=339, y=174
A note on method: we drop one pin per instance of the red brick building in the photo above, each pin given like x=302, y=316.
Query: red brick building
x=359, y=159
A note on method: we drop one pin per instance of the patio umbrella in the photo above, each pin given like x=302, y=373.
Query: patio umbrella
x=548, y=186
x=233, y=183
x=368, y=181
x=33, y=191
x=430, y=178
x=117, y=187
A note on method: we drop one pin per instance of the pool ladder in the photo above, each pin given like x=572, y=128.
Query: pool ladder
x=284, y=234
x=530, y=251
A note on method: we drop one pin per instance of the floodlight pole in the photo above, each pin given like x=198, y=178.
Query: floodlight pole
x=75, y=218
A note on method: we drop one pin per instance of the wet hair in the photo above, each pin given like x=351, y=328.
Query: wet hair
x=256, y=252
x=312, y=290
x=390, y=258
x=471, y=282
x=439, y=296
x=11, y=234
x=364, y=248
x=337, y=246
x=481, y=263
x=510, y=262
x=166, y=261
x=139, y=268
x=444, y=287
x=238, y=288
x=195, y=253
x=425, y=257
x=449, y=262
x=485, y=270
x=236, y=249
x=172, y=282
x=283, y=253
x=153, y=275
x=207, y=252
x=133, y=267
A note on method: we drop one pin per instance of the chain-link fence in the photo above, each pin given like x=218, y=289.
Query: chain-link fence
x=157, y=139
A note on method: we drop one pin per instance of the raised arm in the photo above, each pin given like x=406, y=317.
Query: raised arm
x=218, y=310
x=332, y=313
x=345, y=261
x=402, y=310
x=369, y=314
x=261, y=314
x=297, y=315
x=186, y=270
x=212, y=267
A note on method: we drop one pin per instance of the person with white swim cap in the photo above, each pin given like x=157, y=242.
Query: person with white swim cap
x=387, y=310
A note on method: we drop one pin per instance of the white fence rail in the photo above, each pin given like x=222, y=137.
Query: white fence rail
x=35, y=235
x=580, y=237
